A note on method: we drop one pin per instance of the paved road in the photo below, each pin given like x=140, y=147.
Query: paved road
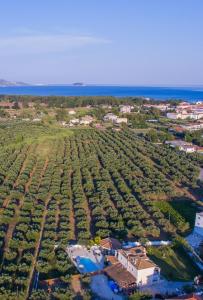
x=100, y=286
x=165, y=286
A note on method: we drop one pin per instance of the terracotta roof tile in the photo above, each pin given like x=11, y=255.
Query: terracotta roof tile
x=119, y=274
x=110, y=244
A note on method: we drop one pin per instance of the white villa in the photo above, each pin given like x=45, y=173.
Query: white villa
x=131, y=268
x=136, y=262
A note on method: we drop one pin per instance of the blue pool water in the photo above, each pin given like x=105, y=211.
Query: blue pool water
x=89, y=265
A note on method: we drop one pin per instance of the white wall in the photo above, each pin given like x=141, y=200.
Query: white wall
x=199, y=220
x=122, y=260
x=147, y=276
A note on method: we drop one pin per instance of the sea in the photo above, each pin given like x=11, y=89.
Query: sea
x=191, y=94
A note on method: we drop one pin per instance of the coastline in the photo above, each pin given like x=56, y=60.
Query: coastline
x=190, y=94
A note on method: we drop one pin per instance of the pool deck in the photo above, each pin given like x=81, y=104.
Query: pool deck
x=82, y=251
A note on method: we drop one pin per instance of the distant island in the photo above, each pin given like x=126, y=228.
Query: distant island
x=5, y=83
x=78, y=84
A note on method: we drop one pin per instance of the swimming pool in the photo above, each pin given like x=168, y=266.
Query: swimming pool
x=89, y=265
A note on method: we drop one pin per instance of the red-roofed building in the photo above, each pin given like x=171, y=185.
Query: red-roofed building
x=5, y=104
x=109, y=245
x=136, y=262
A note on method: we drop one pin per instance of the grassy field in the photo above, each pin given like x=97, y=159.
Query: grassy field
x=17, y=133
x=175, y=264
x=186, y=209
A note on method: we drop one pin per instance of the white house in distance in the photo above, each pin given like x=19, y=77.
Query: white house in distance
x=188, y=148
x=184, y=114
x=110, y=117
x=193, y=126
x=125, y=109
x=114, y=119
x=161, y=107
x=74, y=121
x=72, y=112
x=86, y=120
x=182, y=146
x=199, y=223
x=121, y=120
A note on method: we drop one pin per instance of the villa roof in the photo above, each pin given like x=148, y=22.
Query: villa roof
x=138, y=251
x=110, y=244
x=144, y=264
x=120, y=275
x=112, y=259
x=137, y=257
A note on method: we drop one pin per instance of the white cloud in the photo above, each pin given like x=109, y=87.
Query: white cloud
x=38, y=44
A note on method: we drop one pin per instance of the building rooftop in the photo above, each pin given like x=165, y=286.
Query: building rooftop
x=144, y=264
x=120, y=275
x=110, y=244
x=178, y=143
x=111, y=259
x=137, y=256
x=138, y=251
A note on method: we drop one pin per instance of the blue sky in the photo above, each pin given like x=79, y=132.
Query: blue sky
x=132, y=42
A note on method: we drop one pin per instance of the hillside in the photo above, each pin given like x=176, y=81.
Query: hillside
x=6, y=83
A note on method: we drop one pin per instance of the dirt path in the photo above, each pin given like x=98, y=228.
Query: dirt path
x=30, y=179
x=5, y=204
x=72, y=215
x=22, y=167
x=11, y=228
x=12, y=225
x=76, y=285
x=85, y=203
x=43, y=171
x=57, y=219
x=37, y=248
